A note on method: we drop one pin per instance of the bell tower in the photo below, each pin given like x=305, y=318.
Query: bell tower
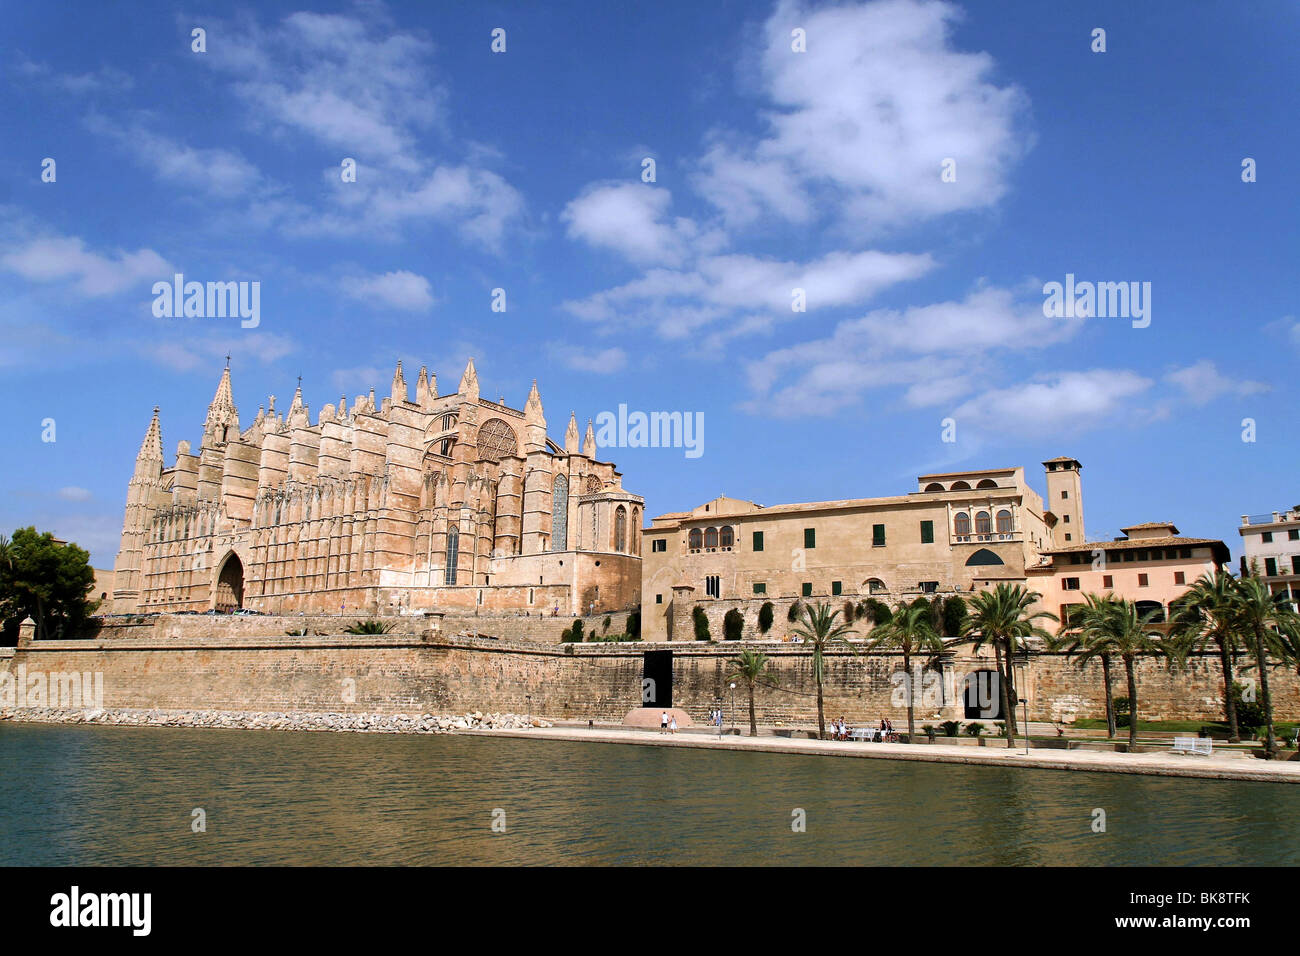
x=1065, y=499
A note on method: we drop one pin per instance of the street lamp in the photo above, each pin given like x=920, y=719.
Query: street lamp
x=529, y=698
x=732, y=716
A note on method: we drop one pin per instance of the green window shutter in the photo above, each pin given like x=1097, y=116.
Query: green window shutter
x=927, y=532
x=810, y=537
x=835, y=587
x=760, y=588
x=807, y=589
x=758, y=541
x=878, y=535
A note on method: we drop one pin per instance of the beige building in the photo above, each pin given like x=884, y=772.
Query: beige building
x=957, y=532
x=1271, y=544
x=436, y=501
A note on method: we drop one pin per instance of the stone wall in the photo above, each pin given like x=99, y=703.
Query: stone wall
x=402, y=673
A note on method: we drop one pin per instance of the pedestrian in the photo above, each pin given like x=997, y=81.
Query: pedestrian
x=663, y=722
x=672, y=724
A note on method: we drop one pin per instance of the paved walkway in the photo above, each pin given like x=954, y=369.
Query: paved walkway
x=1158, y=764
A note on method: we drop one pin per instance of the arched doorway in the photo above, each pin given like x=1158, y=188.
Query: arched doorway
x=982, y=695
x=230, y=585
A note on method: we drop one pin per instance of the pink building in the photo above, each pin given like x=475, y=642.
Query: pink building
x=1152, y=565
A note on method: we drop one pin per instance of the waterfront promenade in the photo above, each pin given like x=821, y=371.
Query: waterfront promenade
x=1218, y=767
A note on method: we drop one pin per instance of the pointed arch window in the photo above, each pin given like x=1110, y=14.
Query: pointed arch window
x=453, y=555
x=620, y=529
x=560, y=514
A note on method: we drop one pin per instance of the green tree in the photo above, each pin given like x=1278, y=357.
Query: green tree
x=820, y=629
x=701, y=621
x=911, y=630
x=1202, y=617
x=733, y=625
x=1272, y=632
x=1003, y=618
x=1070, y=641
x=46, y=581
x=751, y=666
x=633, y=625
x=765, y=614
x=1111, y=625
x=954, y=616
x=796, y=608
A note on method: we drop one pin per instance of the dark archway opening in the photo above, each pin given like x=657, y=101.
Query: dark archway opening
x=982, y=695
x=230, y=585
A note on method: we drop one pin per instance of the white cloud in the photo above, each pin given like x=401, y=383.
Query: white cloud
x=1058, y=403
x=599, y=361
x=73, y=493
x=58, y=258
x=859, y=125
x=1203, y=382
x=184, y=352
x=400, y=290
x=632, y=219
x=219, y=172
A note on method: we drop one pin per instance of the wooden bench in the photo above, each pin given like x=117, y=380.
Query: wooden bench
x=1193, y=745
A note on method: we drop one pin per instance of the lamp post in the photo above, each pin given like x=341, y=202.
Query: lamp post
x=529, y=698
x=732, y=716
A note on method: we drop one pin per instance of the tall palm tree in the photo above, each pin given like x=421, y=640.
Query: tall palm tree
x=750, y=666
x=1202, y=617
x=1111, y=625
x=819, y=628
x=1003, y=618
x=911, y=629
x=1072, y=641
x=1271, y=628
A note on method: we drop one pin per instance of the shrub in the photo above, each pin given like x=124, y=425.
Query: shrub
x=300, y=632
x=370, y=627
x=605, y=625
x=1001, y=726
x=793, y=614
x=1121, y=711
x=974, y=729
x=1250, y=713
x=634, y=625
x=765, y=617
x=701, y=621
x=954, y=615
x=572, y=634
x=733, y=625
x=850, y=611
x=878, y=611
x=950, y=727
x=929, y=731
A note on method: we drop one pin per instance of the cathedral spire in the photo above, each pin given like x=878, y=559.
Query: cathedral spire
x=222, y=423
x=422, y=395
x=589, y=441
x=151, y=448
x=399, y=385
x=469, y=382
x=533, y=407
x=571, y=435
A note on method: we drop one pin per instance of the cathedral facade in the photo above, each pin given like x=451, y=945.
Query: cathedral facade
x=447, y=502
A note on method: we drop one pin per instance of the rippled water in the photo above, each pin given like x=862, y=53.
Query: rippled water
x=119, y=795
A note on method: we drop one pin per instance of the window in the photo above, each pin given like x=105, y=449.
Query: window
x=1068, y=536
x=659, y=599
x=982, y=523
x=560, y=514
x=806, y=589
x=961, y=524
x=453, y=556
x=1270, y=567
x=1180, y=577
x=876, y=586
x=713, y=585
x=929, y=587
x=1069, y=584
x=1064, y=495
x=1067, y=519
x=927, y=532
x=1295, y=564
x=710, y=538
x=986, y=483
x=1267, y=537
x=760, y=587
x=758, y=541
x=877, y=535
x=1293, y=534
x=1004, y=522
x=1185, y=553
x=1108, y=581
x=934, y=486
x=726, y=538
x=836, y=588
x=620, y=530
x=1142, y=580
x=659, y=544
x=810, y=537
x=981, y=557
x=695, y=539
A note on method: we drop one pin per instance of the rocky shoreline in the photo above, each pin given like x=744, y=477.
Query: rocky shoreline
x=280, y=720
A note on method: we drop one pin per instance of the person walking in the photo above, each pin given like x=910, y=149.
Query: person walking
x=663, y=722
x=672, y=724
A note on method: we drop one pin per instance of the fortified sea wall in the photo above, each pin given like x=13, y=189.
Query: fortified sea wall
x=442, y=673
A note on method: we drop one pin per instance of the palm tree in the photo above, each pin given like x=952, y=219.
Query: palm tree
x=819, y=628
x=1271, y=627
x=1111, y=625
x=1073, y=641
x=912, y=631
x=1203, y=617
x=751, y=665
x=1003, y=618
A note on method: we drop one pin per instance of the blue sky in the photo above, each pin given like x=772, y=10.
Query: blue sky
x=775, y=169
